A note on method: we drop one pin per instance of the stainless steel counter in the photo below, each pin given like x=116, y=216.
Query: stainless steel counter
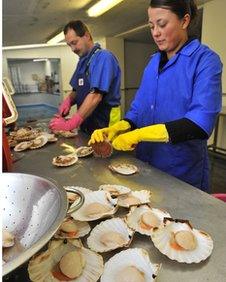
x=178, y=198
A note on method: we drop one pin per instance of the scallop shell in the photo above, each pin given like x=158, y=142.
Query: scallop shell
x=8, y=239
x=123, y=168
x=134, y=217
x=26, y=134
x=41, y=266
x=161, y=238
x=12, y=142
x=143, y=197
x=23, y=131
x=117, y=225
x=51, y=137
x=66, y=134
x=101, y=197
x=22, y=146
x=39, y=142
x=102, y=149
x=115, y=190
x=53, y=243
x=83, y=229
x=72, y=197
x=84, y=151
x=65, y=160
x=135, y=257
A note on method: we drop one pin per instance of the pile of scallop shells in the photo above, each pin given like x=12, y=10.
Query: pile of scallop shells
x=29, y=138
x=75, y=252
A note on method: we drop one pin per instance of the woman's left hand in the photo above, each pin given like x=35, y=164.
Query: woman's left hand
x=126, y=141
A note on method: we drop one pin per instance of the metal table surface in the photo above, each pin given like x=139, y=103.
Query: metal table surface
x=178, y=198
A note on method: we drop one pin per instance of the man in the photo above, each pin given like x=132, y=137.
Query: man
x=95, y=83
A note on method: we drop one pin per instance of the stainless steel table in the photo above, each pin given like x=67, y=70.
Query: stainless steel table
x=178, y=198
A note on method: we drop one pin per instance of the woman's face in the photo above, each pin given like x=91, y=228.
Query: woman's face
x=168, y=31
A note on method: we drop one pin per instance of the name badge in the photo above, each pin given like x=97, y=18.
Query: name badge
x=81, y=82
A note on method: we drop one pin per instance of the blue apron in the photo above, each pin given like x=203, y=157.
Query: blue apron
x=80, y=82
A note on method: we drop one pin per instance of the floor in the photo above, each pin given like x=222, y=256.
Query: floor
x=34, y=112
x=217, y=174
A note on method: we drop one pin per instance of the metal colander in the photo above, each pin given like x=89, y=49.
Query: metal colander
x=32, y=210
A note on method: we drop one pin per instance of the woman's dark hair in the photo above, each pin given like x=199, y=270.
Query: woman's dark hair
x=178, y=7
x=78, y=26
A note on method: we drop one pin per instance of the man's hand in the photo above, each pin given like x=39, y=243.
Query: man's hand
x=65, y=106
x=59, y=123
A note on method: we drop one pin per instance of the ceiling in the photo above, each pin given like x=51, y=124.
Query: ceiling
x=36, y=21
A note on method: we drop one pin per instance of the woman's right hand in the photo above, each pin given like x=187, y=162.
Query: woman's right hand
x=109, y=132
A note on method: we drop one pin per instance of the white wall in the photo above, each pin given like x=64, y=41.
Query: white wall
x=116, y=46
x=68, y=60
x=137, y=56
x=214, y=30
x=214, y=35
x=28, y=68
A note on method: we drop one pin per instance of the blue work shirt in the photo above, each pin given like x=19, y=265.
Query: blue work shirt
x=188, y=86
x=97, y=71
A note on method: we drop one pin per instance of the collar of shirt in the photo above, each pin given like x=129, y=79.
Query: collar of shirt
x=87, y=55
x=186, y=49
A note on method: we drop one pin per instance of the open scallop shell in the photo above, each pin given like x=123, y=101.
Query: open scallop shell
x=134, y=217
x=22, y=146
x=84, y=151
x=39, y=142
x=162, y=236
x=115, y=190
x=66, y=134
x=115, y=225
x=137, y=258
x=123, y=168
x=65, y=160
x=72, y=196
x=134, y=198
x=82, y=229
x=100, y=197
x=41, y=266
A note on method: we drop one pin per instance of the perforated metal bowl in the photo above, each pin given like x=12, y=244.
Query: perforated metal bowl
x=32, y=210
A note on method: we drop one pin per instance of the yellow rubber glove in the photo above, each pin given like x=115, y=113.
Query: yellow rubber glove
x=152, y=133
x=110, y=132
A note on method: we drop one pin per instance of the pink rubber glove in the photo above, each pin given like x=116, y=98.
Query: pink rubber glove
x=65, y=106
x=59, y=123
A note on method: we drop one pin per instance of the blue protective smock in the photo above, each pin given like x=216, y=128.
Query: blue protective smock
x=98, y=70
x=188, y=86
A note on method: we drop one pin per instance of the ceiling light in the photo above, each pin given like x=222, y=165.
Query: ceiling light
x=31, y=46
x=101, y=7
x=40, y=60
x=59, y=37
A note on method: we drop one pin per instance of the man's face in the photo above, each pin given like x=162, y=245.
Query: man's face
x=168, y=31
x=79, y=45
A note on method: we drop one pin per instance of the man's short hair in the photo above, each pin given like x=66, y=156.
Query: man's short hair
x=78, y=26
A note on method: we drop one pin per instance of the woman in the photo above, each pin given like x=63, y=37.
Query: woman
x=176, y=105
